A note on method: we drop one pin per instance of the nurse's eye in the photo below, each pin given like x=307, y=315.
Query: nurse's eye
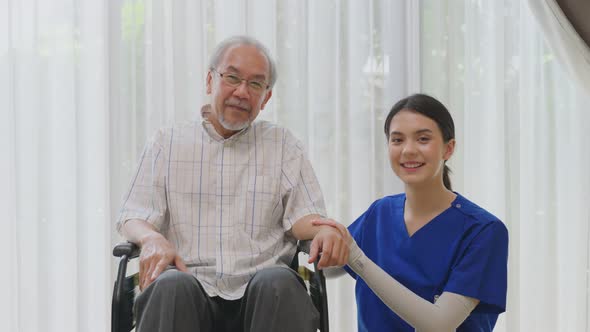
x=395, y=140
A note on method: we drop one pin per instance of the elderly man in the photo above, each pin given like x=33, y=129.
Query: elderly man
x=217, y=206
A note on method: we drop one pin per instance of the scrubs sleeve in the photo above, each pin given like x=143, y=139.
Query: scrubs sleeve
x=481, y=271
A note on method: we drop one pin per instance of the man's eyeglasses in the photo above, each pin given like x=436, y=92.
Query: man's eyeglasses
x=254, y=86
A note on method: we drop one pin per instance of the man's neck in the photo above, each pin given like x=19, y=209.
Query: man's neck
x=221, y=130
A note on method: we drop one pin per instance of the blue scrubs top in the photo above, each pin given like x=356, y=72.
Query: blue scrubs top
x=463, y=250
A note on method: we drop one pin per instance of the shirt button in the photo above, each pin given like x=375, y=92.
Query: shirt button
x=458, y=206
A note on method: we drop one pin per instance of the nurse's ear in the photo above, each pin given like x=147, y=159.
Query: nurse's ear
x=449, y=149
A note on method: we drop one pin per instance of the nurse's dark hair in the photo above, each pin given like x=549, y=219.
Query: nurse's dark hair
x=432, y=109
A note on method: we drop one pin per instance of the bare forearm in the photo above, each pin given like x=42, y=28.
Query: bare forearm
x=138, y=231
x=303, y=229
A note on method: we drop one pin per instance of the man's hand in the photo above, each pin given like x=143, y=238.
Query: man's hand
x=331, y=242
x=156, y=255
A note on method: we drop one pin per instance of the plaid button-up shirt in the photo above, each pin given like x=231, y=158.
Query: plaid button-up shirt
x=225, y=204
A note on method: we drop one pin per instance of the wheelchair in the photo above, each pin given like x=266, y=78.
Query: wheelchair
x=122, y=319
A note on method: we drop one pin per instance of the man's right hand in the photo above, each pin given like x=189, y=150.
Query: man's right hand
x=156, y=255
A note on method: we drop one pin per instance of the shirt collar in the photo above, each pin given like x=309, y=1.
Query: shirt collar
x=214, y=135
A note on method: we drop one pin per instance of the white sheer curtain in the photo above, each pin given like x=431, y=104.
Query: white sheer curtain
x=522, y=151
x=54, y=190
x=563, y=39
x=341, y=65
x=82, y=86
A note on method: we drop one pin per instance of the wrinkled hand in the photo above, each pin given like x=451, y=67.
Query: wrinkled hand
x=156, y=255
x=332, y=223
x=331, y=242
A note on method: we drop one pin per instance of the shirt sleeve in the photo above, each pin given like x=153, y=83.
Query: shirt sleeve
x=481, y=271
x=301, y=192
x=146, y=197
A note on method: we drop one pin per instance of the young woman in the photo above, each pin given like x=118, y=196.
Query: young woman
x=427, y=259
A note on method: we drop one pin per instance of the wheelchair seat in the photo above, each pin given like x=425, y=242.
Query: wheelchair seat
x=122, y=319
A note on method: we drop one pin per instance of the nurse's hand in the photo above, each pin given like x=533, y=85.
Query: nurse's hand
x=353, y=250
x=329, y=246
x=342, y=251
x=331, y=222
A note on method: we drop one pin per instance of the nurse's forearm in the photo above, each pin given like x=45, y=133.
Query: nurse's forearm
x=449, y=311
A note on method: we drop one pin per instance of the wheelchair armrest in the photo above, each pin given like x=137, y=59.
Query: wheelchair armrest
x=319, y=296
x=130, y=249
x=317, y=284
x=304, y=246
x=123, y=292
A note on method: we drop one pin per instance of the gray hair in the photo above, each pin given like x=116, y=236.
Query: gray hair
x=219, y=51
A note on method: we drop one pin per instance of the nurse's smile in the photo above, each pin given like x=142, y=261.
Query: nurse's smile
x=412, y=167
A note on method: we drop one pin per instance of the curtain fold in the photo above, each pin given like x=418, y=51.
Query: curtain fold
x=563, y=39
x=55, y=158
x=8, y=237
x=339, y=71
x=520, y=153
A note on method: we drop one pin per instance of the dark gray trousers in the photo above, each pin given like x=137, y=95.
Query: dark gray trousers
x=275, y=300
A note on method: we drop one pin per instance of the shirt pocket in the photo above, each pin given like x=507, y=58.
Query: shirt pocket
x=264, y=207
